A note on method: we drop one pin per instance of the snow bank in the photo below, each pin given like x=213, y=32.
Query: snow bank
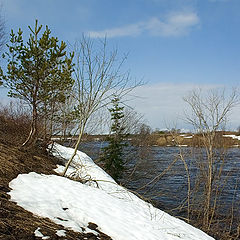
x=232, y=136
x=117, y=212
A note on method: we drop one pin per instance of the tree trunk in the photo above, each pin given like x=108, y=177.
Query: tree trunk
x=75, y=149
x=33, y=132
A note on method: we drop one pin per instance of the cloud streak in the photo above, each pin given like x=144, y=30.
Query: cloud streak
x=175, y=24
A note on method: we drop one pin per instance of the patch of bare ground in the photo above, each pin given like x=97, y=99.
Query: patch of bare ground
x=15, y=222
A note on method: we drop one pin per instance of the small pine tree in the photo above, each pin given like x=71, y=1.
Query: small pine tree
x=112, y=156
x=38, y=72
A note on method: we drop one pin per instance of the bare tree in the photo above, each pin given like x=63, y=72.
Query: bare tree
x=64, y=120
x=132, y=121
x=2, y=34
x=99, y=76
x=209, y=113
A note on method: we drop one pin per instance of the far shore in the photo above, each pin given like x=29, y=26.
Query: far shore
x=222, y=139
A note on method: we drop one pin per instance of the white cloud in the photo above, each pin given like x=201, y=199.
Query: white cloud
x=129, y=30
x=163, y=105
x=175, y=24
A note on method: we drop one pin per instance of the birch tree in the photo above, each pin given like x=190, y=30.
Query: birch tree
x=99, y=76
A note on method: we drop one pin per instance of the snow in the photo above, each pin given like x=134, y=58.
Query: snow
x=233, y=136
x=188, y=137
x=61, y=233
x=117, y=212
x=185, y=136
x=37, y=233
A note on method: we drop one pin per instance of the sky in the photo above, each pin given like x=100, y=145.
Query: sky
x=173, y=45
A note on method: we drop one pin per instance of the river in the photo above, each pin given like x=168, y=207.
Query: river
x=169, y=189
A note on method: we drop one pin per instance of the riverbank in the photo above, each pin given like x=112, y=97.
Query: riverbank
x=15, y=222
x=92, y=195
x=222, y=139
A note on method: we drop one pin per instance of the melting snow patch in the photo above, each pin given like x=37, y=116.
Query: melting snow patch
x=188, y=137
x=116, y=211
x=37, y=233
x=232, y=136
x=61, y=233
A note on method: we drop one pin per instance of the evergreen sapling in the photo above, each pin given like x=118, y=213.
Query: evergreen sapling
x=112, y=156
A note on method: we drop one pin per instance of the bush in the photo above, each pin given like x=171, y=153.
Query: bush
x=15, y=123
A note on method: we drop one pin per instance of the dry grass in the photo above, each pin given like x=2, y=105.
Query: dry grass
x=15, y=222
x=14, y=125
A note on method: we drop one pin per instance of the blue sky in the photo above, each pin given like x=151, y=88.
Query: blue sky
x=174, y=45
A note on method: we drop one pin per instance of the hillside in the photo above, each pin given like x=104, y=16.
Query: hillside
x=15, y=222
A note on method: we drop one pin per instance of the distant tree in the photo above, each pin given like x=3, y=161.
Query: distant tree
x=38, y=72
x=144, y=129
x=112, y=156
x=142, y=135
x=175, y=131
x=132, y=120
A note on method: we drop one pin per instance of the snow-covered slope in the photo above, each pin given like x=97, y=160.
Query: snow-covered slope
x=117, y=212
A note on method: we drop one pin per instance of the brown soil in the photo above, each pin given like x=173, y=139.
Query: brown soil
x=15, y=222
